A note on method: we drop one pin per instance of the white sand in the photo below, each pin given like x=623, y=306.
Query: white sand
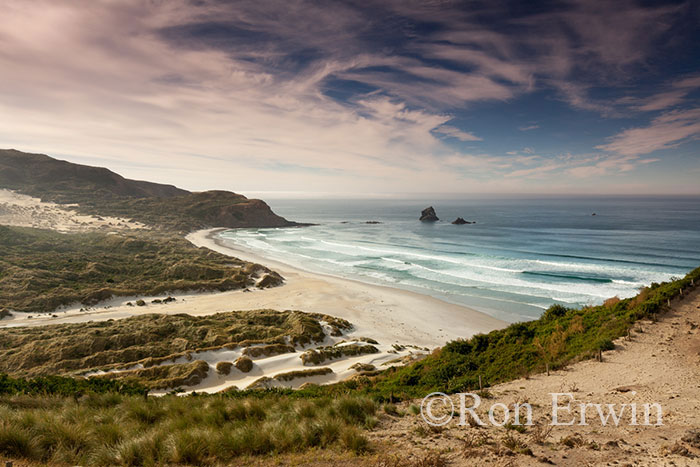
x=383, y=313
x=24, y=211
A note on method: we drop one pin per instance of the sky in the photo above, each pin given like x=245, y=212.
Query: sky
x=361, y=98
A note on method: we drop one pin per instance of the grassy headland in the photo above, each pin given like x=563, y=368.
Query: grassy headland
x=99, y=191
x=188, y=212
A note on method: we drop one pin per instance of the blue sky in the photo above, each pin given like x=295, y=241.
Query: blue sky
x=383, y=98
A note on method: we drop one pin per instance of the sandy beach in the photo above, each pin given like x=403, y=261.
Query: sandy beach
x=383, y=313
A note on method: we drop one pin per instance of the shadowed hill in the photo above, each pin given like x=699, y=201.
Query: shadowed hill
x=193, y=211
x=100, y=191
x=64, y=182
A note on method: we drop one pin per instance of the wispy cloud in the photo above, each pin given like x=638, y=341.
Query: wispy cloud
x=674, y=93
x=453, y=132
x=665, y=132
x=241, y=94
x=528, y=127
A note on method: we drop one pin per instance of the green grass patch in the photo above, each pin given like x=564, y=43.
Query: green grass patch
x=41, y=270
x=169, y=430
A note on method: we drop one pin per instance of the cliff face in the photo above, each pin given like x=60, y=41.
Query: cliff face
x=100, y=191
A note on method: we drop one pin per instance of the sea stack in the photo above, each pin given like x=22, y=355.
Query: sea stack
x=461, y=221
x=428, y=215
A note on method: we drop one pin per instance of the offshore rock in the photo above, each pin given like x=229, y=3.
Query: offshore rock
x=428, y=215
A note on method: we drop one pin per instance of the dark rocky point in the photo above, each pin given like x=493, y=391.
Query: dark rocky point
x=428, y=215
x=461, y=221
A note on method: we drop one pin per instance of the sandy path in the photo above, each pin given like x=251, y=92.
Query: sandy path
x=658, y=364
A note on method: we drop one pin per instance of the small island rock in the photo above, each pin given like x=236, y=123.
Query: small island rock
x=428, y=215
x=461, y=221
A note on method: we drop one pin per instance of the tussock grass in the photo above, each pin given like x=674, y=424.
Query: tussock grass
x=191, y=430
x=44, y=269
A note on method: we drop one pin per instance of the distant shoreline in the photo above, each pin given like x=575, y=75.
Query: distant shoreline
x=380, y=312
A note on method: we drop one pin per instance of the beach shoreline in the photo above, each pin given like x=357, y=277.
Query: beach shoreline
x=377, y=311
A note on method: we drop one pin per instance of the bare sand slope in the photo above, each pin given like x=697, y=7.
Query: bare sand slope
x=24, y=211
x=659, y=363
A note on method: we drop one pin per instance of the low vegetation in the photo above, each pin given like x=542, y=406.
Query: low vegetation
x=322, y=354
x=188, y=212
x=561, y=336
x=63, y=386
x=41, y=270
x=164, y=376
x=269, y=382
x=151, y=339
x=113, y=429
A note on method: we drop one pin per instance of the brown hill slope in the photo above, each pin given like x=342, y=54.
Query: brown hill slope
x=100, y=191
x=64, y=182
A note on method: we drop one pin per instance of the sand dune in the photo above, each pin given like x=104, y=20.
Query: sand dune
x=24, y=211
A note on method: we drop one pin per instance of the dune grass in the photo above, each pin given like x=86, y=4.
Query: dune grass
x=150, y=340
x=41, y=270
x=113, y=429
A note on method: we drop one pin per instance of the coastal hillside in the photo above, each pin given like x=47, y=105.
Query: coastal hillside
x=64, y=182
x=67, y=421
x=99, y=191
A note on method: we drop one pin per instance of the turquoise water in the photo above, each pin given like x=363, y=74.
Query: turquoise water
x=519, y=258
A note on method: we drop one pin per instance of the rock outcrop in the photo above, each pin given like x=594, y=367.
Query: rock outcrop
x=461, y=221
x=428, y=215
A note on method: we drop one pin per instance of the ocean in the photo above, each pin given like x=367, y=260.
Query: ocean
x=520, y=257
